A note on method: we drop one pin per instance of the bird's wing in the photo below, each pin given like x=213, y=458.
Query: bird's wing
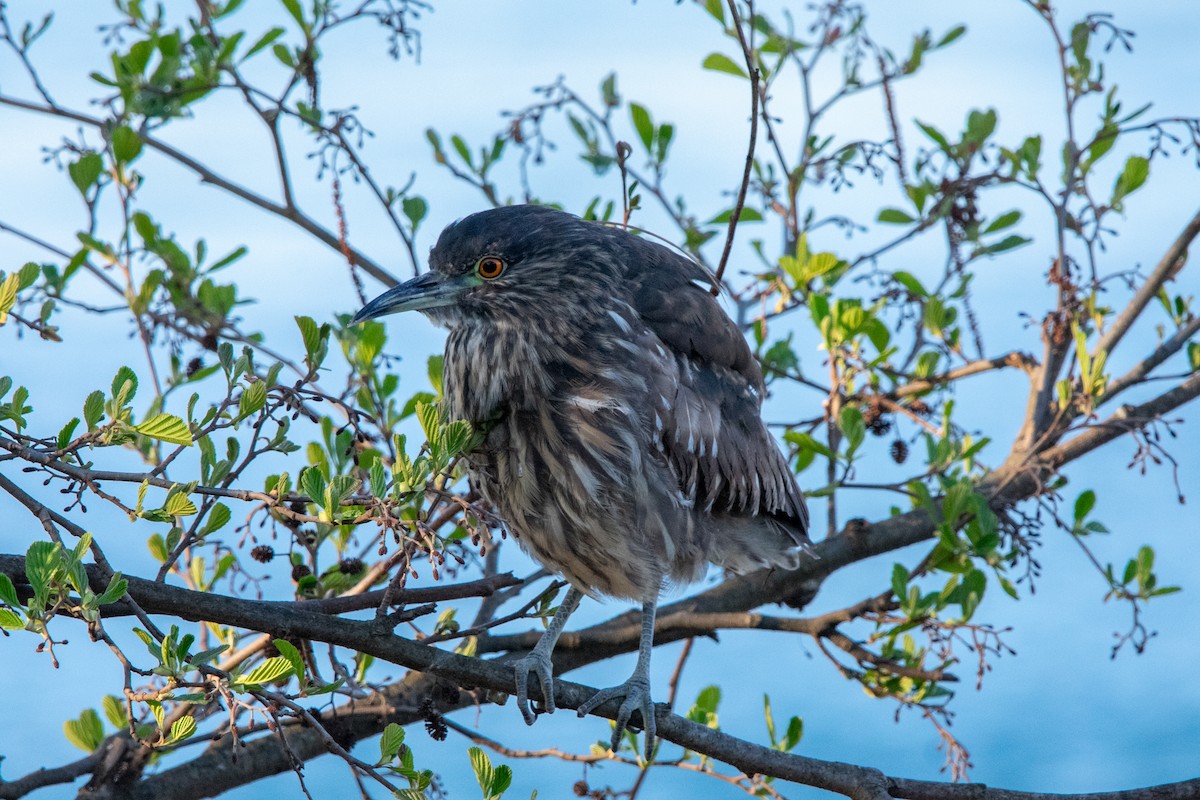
x=706, y=390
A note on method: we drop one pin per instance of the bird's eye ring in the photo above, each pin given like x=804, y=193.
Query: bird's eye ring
x=490, y=267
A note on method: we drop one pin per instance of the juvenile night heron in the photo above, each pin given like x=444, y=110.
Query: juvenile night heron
x=624, y=445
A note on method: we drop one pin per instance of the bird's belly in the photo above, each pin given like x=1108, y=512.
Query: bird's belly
x=602, y=529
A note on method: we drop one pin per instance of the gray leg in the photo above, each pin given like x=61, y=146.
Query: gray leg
x=538, y=659
x=636, y=690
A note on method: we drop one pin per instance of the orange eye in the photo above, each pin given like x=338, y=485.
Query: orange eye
x=490, y=267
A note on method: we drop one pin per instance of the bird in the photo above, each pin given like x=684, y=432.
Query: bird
x=619, y=416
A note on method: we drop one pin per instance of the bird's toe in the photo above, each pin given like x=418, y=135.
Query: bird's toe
x=539, y=665
x=635, y=696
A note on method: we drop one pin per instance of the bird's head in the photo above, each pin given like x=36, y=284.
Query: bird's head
x=515, y=262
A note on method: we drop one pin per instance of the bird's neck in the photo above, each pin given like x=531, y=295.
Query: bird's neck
x=493, y=367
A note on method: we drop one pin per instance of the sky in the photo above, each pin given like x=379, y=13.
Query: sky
x=1060, y=715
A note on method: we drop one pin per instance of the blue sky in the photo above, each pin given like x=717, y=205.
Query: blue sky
x=1058, y=716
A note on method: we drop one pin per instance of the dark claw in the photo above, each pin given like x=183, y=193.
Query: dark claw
x=540, y=665
x=636, y=694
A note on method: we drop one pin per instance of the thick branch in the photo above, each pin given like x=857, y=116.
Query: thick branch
x=861, y=783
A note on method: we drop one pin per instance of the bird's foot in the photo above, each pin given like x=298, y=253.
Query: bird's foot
x=636, y=694
x=536, y=662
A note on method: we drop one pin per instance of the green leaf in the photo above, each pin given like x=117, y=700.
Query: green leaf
x=415, y=208
x=289, y=651
x=1003, y=221
x=166, y=428
x=1010, y=242
x=894, y=216
x=218, y=516
x=181, y=729
x=310, y=333
x=642, y=124
x=390, y=742
x=1084, y=504
x=269, y=671
x=124, y=386
x=748, y=215
x=253, y=398
x=126, y=144
x=117, y=586
x=27, y=274
x=86, y=171
x=482, y=766
x=980, y=125
x=502, y=781
x=951, y=35
x=899, y=580
x=718, y=62
x=8, y=295
x=1137, y=169
x=263, y=42
x=41, y=559
x=178, y=505
x=115, y=711
x=68, y=430
x=851, y=422
x=10, y=620
x=8, y=592
x=293, y=8
x=87, y=732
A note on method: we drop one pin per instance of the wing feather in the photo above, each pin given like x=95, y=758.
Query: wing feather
x=707, y=391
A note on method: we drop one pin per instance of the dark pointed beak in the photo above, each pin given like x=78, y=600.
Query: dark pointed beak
x=429, y=290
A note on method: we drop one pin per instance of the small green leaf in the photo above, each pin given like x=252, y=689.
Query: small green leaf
x=289, y=651
x=178, y=505
x=166, y=428
x=1084, y=504
x=1003, y=221
x=181, y=729
x=126, y=144
x=390, y=742
x=10, y=620
x=64, y=435
x=894, y=216
x=415, y=208
x=642, y=124
x=269, y=671
x=218, y=516
x=86, y=171
x=27, y=275
x=8, y=295
x=1137, y=169
x=899, y=580
x=124, y=385
x=117, y=586
x=115, y=711
x=263, y=42
x=310, y=333
x=718, y=62
x=253, y=398
x=8, y=592
x=93, y=409
x=482, y=766
x=41, y=559
x=87, y=732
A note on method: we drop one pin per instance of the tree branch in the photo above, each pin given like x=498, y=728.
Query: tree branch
x=206, y=175
x=857, y=782
x=1168, y=266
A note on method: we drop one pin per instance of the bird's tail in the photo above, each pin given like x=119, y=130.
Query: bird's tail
x=744, y=544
